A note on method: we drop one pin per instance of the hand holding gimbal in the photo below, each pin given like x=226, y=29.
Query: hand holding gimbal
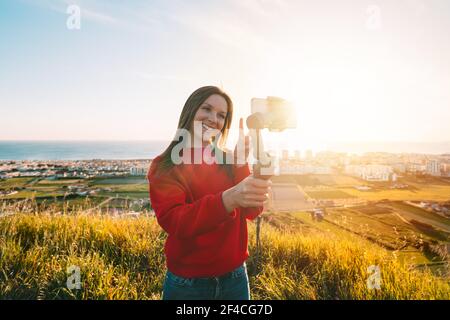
x=275, y=114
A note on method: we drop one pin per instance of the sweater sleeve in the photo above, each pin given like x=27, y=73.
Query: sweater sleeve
x=182, y=219
x=252, y=213
x=240, y=173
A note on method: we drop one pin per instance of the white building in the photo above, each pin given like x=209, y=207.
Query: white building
x=446, y=170
x=415, y=167
x=433, y=168
x=309, y=155
x=370, y=172
x=286, y=168
x=138, y=171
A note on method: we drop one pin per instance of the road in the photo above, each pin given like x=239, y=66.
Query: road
x=288, y=197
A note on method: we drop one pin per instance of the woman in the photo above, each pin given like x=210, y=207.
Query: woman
x=204, y=206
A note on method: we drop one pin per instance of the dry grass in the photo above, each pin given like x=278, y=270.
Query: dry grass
x=122, y=258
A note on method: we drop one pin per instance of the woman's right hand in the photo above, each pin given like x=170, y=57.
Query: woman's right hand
x=250, y=192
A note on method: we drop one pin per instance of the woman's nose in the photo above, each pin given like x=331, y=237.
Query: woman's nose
x=212, y=118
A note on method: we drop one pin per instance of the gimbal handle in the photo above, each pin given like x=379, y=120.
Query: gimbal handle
x=257, y=171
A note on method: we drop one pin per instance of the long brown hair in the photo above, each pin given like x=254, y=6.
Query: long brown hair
x=192, y=104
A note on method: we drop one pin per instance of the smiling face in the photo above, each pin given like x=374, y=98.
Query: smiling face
x=210, y=117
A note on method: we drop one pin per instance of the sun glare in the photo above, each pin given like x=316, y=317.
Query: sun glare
x=336, y=99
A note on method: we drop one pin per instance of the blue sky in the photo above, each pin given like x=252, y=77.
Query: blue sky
x=357, y=70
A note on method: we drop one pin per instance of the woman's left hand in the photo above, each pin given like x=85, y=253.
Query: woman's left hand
x=242, y=149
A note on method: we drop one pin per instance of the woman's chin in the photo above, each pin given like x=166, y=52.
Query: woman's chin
x=207, y=137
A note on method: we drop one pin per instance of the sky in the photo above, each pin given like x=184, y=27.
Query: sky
x=355, y=70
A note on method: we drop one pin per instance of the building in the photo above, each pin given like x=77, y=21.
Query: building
x=446, y=170
x=399, y=167
x=433, y=168
x=138, y=171
x=292, y=168
x=370, y=172
x=394, y=177
x=309, y=155
x=416, y=168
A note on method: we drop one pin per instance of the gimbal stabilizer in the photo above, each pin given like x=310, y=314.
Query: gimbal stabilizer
x=276, y=114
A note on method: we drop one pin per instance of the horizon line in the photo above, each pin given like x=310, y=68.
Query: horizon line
x=144, y=140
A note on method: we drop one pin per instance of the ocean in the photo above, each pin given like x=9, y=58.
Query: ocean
x=80, y=150
x=120, y=150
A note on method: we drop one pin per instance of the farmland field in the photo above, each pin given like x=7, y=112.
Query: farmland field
x=124, y=194
x=15, y=182
x=329, y=194
x=121, y=180
x=311, y=180
x=402, y=239
x=59, y=182
x=424, y=192
x=58, y=193
x=421, y=212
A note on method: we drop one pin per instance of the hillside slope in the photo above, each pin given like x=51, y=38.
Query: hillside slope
x=122, y=258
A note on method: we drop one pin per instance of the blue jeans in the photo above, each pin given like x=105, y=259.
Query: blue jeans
x=231, y=286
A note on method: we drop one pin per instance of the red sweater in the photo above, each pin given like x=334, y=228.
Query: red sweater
x=204, y=240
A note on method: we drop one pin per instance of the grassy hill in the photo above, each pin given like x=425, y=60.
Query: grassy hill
x=122, y=258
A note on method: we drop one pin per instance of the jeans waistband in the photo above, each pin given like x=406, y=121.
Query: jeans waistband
x=236, y=273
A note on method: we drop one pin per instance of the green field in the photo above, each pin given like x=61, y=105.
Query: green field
x=60, y=182
x=15, y=182
x=121, y=180
x=380, y=225
x=32, y=194
x=19, y=195
x=130, y=194
x=133, y=187
x=129, y=187
x=46, y=188
x=421, y=212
